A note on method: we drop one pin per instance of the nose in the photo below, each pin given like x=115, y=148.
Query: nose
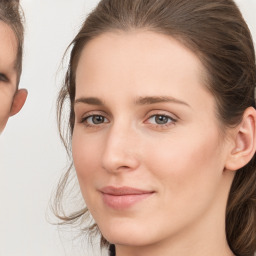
x=121, y=150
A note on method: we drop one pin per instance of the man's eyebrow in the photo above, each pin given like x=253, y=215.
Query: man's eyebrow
x=158, y=99
x=90, y=101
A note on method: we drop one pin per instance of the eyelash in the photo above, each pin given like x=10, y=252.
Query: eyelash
x=3, y=78
x=171, y=121
x=85, y=120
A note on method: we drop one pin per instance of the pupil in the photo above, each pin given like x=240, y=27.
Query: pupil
x=98, y=119
x=161, y=119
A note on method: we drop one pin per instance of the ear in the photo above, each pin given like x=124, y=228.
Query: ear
x=18, y=101
x=244, y=145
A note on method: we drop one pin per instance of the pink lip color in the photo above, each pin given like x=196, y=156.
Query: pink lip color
x=123, y=197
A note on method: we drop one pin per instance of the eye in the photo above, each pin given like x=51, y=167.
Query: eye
x=3, y=77
x=161, y=120
x=94, y=120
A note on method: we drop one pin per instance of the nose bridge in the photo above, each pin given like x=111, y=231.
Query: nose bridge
x=120, y=148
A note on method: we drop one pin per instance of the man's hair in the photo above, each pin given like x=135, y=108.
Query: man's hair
x=11, y=14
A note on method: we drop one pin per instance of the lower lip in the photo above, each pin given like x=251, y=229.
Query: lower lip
x=120, y=202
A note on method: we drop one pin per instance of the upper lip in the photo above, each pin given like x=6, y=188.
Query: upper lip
x=121, y=191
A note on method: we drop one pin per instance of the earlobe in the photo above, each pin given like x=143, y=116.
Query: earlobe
x=18, y=101
x=245, y=142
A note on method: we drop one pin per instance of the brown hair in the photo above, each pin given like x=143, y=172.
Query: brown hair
x=216, y=31
x=11, y=14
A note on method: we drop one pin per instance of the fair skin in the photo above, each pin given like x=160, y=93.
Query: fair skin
x=11, y=99
x=153, y=166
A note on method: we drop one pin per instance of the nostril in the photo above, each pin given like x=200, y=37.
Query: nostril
x=118, y=164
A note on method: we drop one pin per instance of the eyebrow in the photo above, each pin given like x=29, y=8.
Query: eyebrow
x=140, y=101
x=90, y=101
x=158, y=99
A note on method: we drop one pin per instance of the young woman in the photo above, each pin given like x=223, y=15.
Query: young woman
x=11, y=40
x=162, y=126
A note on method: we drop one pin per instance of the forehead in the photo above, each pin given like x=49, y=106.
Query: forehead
x=143, y=59
x=8, y=49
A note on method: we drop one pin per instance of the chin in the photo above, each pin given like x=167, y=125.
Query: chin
x=127, y=240
x=127, y=236
x=2, y=124
x=2, y=128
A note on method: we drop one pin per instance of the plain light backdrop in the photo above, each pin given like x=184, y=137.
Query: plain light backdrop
x=31, y=155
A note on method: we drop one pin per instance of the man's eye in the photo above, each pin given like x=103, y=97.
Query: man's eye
x=95, y=119
x=3, y=78
x=161, y=119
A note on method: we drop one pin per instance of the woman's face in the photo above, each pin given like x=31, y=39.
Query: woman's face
x=8, y=72
x=147, y=146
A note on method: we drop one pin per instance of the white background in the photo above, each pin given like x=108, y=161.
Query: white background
x=31, y=155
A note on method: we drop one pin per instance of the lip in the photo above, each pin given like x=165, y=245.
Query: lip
x=123, y=197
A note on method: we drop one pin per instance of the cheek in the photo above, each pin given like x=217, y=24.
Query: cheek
x=5, y=107
x=187, y=165
x=86, y=156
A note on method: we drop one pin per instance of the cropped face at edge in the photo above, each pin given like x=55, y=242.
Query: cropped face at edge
x=11, y=99
x=147, y=147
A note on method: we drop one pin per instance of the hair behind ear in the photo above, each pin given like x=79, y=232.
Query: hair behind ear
x=241, y=211
x=241, y=207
